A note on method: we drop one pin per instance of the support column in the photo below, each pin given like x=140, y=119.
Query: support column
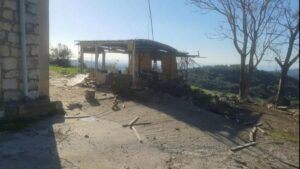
x=81, y=59
x=96, y=59
x=133, y=64
x=103, y=60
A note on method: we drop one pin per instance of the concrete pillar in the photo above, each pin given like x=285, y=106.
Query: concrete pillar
x=44, y=48
x=133, y=64
x=103, y=61
x=81, y=59
x=96, y=59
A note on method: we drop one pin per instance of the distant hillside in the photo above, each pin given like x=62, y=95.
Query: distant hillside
x=226, y=79
x=294, y=73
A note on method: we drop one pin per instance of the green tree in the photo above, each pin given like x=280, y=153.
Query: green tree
x=60, y=55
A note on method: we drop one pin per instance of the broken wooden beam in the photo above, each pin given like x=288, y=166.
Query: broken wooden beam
x=130, y=124
x=75, y=117
x=137, y=134
x=252, y=134
x=242, y=146
x=261, y=130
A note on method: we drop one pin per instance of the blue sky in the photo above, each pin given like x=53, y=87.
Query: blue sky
x=176, y=23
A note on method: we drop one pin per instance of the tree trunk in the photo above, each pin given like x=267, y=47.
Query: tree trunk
x=250, y=73
x=243, y=79
x=282, y=81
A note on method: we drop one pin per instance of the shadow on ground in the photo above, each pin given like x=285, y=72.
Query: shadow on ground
x=223, y=128
x=33, y=146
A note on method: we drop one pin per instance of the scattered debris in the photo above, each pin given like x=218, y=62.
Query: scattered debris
x=78, y=79
x=90, y=95
x=72, y=106
x=283, y=108
x=242, y=146
x=130, y=125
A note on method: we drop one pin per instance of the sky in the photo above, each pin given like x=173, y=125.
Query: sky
x=176, y=23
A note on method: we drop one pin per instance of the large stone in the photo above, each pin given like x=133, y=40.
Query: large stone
x=4, y=51
x=7, y=14
x=33, y=85
x=11, y=74
x=5, y=26
x=11, y=95
x=13, y=38
x=10, y=64
x=34, y=50
x=34, y=109
x=2, y=36
x=10, y=4
x=32, y=63
x=9, y=84
x=15, y=52
x=32, y=39
x=16, y=28
x=30, y=18
x=33, y=74
x=33, y=94
x=31, y=8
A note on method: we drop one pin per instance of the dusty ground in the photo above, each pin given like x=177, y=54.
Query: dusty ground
x=175, y=134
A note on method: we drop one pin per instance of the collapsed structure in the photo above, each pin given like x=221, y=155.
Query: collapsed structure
x=149, y=61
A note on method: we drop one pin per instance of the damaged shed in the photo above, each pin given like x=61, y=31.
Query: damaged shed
x=148, y=61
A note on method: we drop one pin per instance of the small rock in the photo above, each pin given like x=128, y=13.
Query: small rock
x=86, y=136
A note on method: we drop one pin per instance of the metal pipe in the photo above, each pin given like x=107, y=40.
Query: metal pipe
x=22, y=13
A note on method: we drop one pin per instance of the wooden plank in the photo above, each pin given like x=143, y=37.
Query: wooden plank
x=137, y=134
x=242, y=146
x=75, y=117
x=133, y=121
x=261, y=130
x=252, y=134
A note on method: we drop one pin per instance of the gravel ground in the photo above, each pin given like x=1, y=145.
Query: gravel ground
x=175, y=134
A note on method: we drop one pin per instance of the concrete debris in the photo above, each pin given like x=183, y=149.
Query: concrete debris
x=77, y=80
x=90, y=95
x=72, y=106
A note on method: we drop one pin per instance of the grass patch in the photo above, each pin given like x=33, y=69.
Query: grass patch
x=212, y=92
x=72, y=71
x=282, y=135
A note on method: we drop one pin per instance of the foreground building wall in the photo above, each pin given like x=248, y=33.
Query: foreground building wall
x=37, y=43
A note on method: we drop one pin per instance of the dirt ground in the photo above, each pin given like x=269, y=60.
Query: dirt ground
x=175, y=134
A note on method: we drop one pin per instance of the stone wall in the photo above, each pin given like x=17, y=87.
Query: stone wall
x=11, y=83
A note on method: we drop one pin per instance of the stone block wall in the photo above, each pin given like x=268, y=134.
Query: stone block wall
x=11, y=83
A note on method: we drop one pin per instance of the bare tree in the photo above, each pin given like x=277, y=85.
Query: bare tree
x=288, y=44
x=252, y=30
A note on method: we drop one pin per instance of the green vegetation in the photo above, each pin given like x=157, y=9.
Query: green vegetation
x=224, y=80
x=282, y=135
x=60, y=56
x=65, y=70
x=212, y=92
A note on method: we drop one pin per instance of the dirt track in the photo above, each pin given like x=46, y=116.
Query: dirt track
x=175, y=134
